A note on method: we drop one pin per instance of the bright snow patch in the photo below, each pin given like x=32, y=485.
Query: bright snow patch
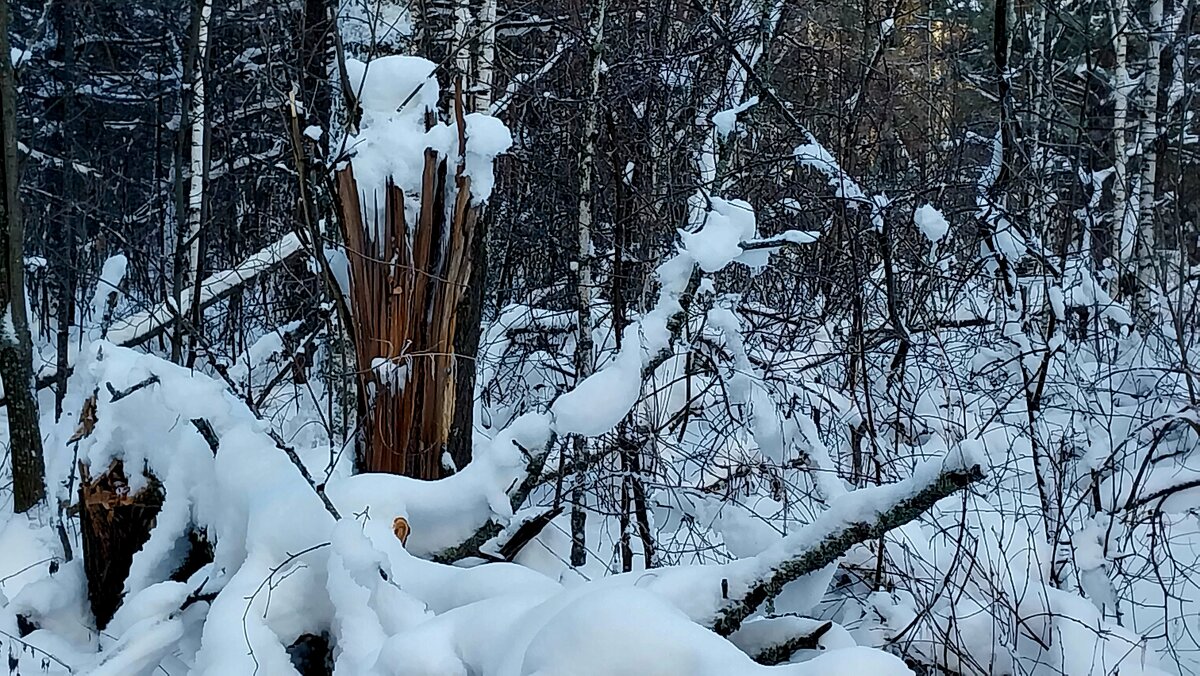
x=931, y=223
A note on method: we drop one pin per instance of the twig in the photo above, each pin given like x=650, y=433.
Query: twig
x=267, y=580
x=118, y=395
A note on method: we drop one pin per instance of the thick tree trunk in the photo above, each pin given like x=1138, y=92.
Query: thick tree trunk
x=466, y=349
x=470, y=311
x=16, y=365
x=405, y=300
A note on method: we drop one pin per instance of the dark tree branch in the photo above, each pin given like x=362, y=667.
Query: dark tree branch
x=782, y=652
x=831, y=547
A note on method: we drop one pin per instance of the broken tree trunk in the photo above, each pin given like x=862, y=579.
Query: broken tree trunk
x=406, y=285
x=114, y=525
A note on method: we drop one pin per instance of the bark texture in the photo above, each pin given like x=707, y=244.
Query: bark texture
x=114, y=525
x=16, y=366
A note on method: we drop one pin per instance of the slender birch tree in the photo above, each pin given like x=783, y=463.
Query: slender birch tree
x=583, y=266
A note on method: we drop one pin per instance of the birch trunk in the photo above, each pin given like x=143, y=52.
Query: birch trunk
x=1122, y=222
x=583, y=283
x=198, y=177
x=485, y=66
x=184, y=273
x=199, y=120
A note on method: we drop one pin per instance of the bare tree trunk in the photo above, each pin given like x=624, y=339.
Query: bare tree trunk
x=583, y=271
x=470, y=310
x=186, y=163
x=486, y=57
x=317, y=58
x=198, y=176
x=1147, y=148
x=64, y=239
x=1122, y=226
x=436, y=23
x=16, y=365
x=466, y=349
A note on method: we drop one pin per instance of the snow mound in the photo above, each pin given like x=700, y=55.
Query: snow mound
x=931, y=223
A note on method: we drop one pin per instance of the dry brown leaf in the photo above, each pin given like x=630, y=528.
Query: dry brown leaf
x=401, y=529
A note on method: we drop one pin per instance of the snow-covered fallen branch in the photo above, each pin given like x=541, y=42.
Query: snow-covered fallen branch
x=148, y=325
x=774, y=641
x=144, y=326
x=852, y=519
x=473, y=546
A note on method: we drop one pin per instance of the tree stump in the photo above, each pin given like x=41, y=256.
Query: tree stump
x=114, y=526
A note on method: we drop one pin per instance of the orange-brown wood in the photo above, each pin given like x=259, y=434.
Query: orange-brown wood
x=406, y=282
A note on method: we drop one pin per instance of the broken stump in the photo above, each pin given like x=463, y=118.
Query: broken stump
x=114, y=526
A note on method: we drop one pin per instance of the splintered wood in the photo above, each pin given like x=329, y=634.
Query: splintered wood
x=406, y=283
x=114, y=525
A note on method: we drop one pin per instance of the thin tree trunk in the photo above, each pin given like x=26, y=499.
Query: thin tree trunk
x=185, y=161
x=16, y=361
x=485, y=62
x=583, y=265
x=64, y=239
x=1147, y=147
x=1123, y=235
x=198, y=175
x=317, y=59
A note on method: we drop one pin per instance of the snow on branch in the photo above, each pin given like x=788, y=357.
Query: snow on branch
x=782, y=239
x=815, y=155
x=852, y=519
x=144, y=326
